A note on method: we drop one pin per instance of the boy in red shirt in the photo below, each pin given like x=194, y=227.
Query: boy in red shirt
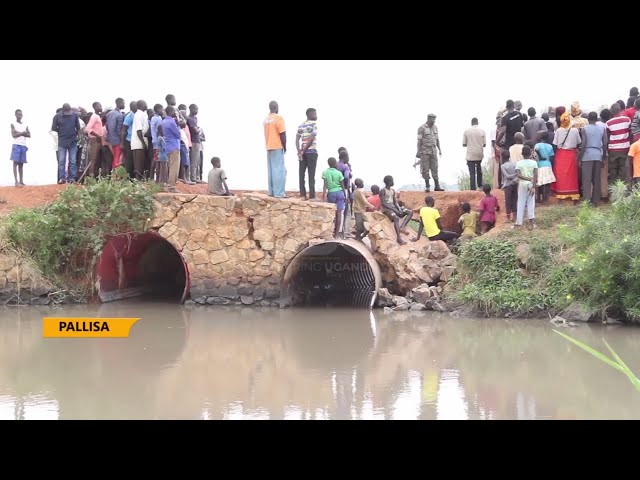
x=374, y=199
x=488, y=208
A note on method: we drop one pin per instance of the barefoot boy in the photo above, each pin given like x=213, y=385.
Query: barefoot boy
x=217, y=179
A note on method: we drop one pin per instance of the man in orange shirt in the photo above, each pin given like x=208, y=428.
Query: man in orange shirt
x=633, y=163
x=276, y=140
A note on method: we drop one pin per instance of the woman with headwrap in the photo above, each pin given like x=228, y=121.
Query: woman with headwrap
x=577, y=120
x=565, y=167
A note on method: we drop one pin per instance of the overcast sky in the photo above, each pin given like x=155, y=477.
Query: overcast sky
x=373, y=108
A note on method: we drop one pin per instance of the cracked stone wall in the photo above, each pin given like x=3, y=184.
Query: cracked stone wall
x=20, y=283
x=236, y=248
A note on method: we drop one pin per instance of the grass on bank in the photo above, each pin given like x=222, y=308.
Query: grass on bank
x=576, y=253
x=64, y=239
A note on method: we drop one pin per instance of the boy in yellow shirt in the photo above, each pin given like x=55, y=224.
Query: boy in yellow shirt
x=430, y=223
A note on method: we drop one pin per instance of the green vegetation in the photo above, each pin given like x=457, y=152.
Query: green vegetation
x=518, y=272
x=615, y=362
x=607, y=260
x=65, y=238
x=576, y=253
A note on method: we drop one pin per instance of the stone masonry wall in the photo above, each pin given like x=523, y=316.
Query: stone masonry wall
x=236, y=248
x=21, y=284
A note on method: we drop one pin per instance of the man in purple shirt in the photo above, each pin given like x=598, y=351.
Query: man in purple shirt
x=345, y=168
x=171, y=135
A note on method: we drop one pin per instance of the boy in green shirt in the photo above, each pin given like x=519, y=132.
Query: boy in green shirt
x=333, y=179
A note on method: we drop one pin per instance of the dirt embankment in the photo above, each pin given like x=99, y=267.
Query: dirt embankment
x=449, y=205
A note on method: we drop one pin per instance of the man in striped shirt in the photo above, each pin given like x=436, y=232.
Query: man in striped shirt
x=618, y=129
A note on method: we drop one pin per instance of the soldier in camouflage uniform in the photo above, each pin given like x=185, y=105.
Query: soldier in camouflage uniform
x=428, y=143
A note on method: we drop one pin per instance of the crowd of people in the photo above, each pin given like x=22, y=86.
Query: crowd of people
x=573, y=154
x=163, y=143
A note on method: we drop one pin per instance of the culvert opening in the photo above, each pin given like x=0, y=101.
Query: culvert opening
x=341, y=273
x=143, y=265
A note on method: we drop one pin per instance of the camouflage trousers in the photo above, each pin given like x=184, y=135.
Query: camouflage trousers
x=429, y=162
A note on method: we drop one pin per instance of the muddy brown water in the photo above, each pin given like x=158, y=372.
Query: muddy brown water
x=245, y=363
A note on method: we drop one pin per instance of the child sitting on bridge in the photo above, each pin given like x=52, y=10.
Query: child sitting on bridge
x=430, y=222
x=393, y=210
x=217, y=180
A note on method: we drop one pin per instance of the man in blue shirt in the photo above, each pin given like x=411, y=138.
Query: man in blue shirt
x=67, y=125
x=171, y=135
x=115, y=119
x=154, y=123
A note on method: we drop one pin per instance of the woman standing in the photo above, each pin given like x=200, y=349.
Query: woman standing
x=565, y=167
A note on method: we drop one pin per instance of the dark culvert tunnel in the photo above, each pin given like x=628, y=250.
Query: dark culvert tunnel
x=336, y=273
x=143, y=265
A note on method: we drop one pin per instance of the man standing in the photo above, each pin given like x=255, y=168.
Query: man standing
x=67, y=125
x=171, y=135
x=533, y=125
x=276, y=142
x=512, y=123
x=115, y=119
x=474, y=140
x=171, y=101
x=138, y=141
x=202, y=140
x=196, y=146
x=593, y=155
x=428, y=142
x=126, y=135
x=618, y=129
x=94, y=132
x=308, y=153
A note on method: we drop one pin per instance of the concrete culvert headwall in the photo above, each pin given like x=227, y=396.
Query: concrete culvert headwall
x=141, y=265
x=333, y=273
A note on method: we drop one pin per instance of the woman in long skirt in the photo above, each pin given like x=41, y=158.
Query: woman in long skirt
x=565, y=167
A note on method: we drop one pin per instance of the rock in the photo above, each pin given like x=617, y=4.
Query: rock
x=258, y=293
x=200, y=257
x=245, y=289
x=218, y=301
x=435, y=305
x=201, y=300
x=403, y=307
x=523, y=252
x=577, y=312
x=265, y=303
x=272, y=292
x=218, y=256
x=6, y=262
x=13, y=275
x=40, y=301
x=417, y=307
x=397, y=301
x=387, y=310
x=385, y=299
x=246, y=299
x=421, y=294
x=447, y=273
x=189, y=303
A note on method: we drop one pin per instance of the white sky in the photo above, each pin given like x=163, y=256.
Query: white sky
x=373, y=108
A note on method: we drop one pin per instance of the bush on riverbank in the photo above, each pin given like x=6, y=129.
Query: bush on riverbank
x=607, y=258
x=518, y=272
x=65, y=238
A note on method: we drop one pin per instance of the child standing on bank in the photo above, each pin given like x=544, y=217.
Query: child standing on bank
x=488, y=207
x=545, y=166
x=468, y=221
x=509, y=185
x=20, y=133
x=527, y=172
x=333, y=179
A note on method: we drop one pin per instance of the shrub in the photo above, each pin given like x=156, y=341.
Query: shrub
x=66, y=237
x=607, y=257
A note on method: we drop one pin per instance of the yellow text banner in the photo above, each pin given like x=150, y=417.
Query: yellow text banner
x=59, y=327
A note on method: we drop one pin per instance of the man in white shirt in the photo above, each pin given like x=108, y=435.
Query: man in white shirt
x=474, y=140
x=138, y=140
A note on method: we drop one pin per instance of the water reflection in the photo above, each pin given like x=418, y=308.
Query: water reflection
x=234, y=363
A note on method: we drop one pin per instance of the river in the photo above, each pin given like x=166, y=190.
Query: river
x=244, y=363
